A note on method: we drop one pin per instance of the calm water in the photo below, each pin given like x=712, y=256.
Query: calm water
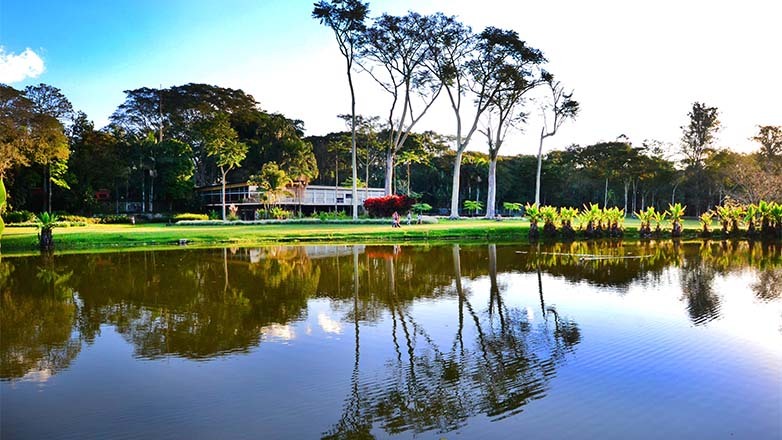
x=478, y=341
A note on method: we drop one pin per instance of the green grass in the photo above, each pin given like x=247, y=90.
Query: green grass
x=99, y=236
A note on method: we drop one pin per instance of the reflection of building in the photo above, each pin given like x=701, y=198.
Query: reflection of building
x=310, y=198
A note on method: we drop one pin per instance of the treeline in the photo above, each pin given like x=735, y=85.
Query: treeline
x=159, y=146
x=62, y=161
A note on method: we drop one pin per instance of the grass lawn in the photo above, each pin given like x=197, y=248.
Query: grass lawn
x=155, y=234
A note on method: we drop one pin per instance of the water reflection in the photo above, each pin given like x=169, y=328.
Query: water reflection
x=493, y=358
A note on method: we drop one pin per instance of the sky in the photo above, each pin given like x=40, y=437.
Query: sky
x=635, y=67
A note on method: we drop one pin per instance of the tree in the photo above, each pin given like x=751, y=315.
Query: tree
x=770, y=139
x=397, y=45
x=28, y=134
x=346, y=19
x=513, y=76
x=563, y=107
x=273, y=183
x=50, y=101
x=220, y=141
x=698, y=136
x=179, y=112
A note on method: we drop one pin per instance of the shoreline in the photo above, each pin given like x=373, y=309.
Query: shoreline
x=113, y=238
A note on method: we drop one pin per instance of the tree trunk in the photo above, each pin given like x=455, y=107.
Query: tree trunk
x=408, y=179
x=389, y=171
x=151, y=190
x=635, y=195
x=457, y=166
x=223, y=192
x=605, y=196
x=353, y=162
x=540, y=166
x=49, y=187
x=143, y=186
x=491, y=194
x=627, y=188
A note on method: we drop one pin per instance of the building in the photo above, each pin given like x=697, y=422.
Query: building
x=308, y=198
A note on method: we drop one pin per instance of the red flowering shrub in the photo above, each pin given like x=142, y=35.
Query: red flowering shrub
x=385, y=206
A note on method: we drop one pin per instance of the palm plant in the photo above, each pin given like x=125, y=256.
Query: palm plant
x=512, y=207
x=764, y=213
x=566, y=216
x=736, y=215
x=46, y=222
x=473, y=205
x=723, y=212
x=775, y=212
x=532, y=212
x=549, y=215
x=615, y=221
x=750, y=216
x=705, y=219
x=645, y=217
x=590, y=215
x=421, y=207
x=676, y=212
x=659, y=218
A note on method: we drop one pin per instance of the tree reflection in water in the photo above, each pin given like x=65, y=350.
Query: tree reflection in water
x=430, y=387
x=198, y=304
x=37, y=316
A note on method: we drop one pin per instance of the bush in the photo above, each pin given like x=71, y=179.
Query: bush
x=19, y=217
x=275, y=213
x=190, y=216
x=78, y=220
x=386, y=206
x=121, y=219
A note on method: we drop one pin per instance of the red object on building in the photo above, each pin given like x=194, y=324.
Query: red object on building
x=102, y=195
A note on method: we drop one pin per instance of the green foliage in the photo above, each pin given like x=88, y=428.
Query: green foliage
x=473, y=205
x=19, y=216
x=706, y=220
x=2, y=205
x=532, y=212
x=512, y=207
x=274, y=213
x=422, y=207
x=213, y=215
x=190, y=216
x=47, y=221
x=116, y=219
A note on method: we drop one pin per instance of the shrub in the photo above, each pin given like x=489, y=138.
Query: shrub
x=385, y=206
x=422, y=207
x=190, y=216
x=78, y=219
x=19, y=217
x=275, y=213
x=116, y=219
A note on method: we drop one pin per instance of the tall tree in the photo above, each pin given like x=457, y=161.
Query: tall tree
x=27, y=135
x=514, y=75
x=699, y=135
x=562, y=108
x=221, y=143
x=770, y=139
x=50, y=101
x=396, y=47
x=696, y=145
x=346, y=19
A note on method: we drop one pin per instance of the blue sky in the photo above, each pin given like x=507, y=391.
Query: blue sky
x=636, y=68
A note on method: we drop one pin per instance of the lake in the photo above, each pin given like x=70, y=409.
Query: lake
x=570, y=340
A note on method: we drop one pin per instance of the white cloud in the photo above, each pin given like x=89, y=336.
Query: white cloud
x=18, y=67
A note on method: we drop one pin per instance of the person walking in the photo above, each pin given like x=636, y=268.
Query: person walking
x=409, y=218
x=395, y=218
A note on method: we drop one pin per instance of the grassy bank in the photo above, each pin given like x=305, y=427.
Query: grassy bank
x=120, y=236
